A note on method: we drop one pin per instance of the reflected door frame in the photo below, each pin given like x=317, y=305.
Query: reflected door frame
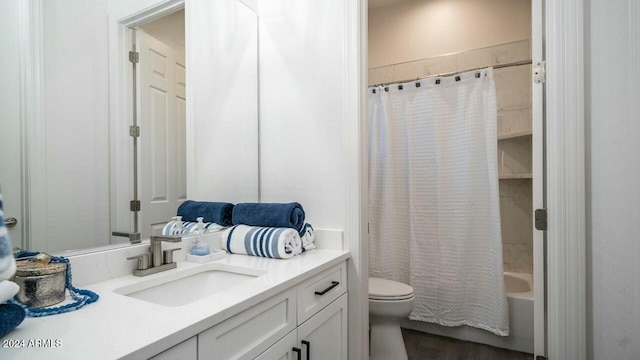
x=124, y=17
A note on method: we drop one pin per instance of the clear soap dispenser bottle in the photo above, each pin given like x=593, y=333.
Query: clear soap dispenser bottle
x=200, y=247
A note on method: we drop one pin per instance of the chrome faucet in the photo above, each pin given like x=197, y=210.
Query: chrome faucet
x=160, y=260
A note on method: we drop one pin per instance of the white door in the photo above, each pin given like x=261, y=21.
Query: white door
x=162, y=156
x=324, y=335
x=537, y=114
x=10, y=144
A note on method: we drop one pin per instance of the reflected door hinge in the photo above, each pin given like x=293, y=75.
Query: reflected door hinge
x=134, y=205
x=134, y=57
x=540, y=72
x=541, y=219
x=134, y=131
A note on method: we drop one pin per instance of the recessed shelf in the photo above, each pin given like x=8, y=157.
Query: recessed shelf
x=514, y=176
x=515, y=135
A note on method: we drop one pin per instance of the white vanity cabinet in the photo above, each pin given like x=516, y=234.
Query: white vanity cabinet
x=186, y=350
x=313, y=312
x=324, y=336
x=322, y=320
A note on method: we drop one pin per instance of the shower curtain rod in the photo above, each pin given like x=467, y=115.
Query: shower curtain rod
x=499, y=66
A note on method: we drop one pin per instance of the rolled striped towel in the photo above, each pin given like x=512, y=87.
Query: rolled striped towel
x=270, y=242
x=308, y=237
x=188, y=228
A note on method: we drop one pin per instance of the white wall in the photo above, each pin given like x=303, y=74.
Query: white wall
x=76, y=110
x=612, y=39
x=311, y=79
x=420, y=29
x=302, y=107
x=222, y=101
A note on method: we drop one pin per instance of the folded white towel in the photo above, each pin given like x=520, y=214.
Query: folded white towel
x=279, y=243
x=308, y=237
x=8, y=290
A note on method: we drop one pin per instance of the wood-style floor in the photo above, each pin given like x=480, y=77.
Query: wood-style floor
x=422, y=346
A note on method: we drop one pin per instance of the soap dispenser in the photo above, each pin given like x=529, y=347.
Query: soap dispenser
x=200, y=247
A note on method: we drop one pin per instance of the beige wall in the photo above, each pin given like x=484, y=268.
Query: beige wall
x=420, y=29
x=168, y=29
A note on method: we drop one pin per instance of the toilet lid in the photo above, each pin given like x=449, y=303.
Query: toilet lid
x=383, y=289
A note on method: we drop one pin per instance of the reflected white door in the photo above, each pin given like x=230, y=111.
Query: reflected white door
x=537, y=98
x=10, y=137
x=161, y=108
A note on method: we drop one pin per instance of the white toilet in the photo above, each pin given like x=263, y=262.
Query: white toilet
x=389, y=303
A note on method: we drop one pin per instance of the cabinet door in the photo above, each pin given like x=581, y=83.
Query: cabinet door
x=324, y=335
x=187, y=350
x=283, y=349
x=251, y=332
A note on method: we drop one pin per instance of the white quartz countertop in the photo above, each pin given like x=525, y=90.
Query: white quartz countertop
x=118, y=326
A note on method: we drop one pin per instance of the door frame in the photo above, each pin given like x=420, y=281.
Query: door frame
x=537, y=117
x=564, y=177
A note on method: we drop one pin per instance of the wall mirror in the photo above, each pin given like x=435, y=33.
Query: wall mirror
x=100, y=129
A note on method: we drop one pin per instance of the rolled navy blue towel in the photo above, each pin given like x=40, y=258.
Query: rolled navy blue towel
x=10, y=317
x=212, y=212
x=289, y=215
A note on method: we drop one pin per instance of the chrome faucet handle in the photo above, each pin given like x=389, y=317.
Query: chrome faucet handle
x=156, y=247
x=167, y=238
x=168, y=255
x=143, y=261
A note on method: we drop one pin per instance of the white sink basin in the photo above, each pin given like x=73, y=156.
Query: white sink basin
x=177, y=288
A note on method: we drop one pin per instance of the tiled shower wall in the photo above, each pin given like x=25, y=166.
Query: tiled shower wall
x=513, y=90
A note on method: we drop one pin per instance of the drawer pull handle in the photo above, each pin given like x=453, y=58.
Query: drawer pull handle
x=308, y=345
x=333, y=284
x=299, y=352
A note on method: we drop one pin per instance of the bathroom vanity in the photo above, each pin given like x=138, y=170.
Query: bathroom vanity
x=261, y=309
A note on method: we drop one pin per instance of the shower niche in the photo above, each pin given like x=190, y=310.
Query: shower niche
x=513, y=91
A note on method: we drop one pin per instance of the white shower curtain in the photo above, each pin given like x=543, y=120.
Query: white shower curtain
x=434, y=212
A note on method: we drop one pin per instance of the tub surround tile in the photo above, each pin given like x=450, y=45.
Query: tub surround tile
x=381, y=75
x=409, y=71
x=474, y=59
x=516, y=212
x=511, y=52
x=515, y=121
x=440, y=65
x=517, y=258
x=513, y=87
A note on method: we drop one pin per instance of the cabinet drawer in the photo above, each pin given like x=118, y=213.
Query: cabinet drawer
x=319, y=291
x=186, y=350
x=249, y=333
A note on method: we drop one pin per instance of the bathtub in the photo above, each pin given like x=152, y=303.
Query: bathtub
x=519, y=289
